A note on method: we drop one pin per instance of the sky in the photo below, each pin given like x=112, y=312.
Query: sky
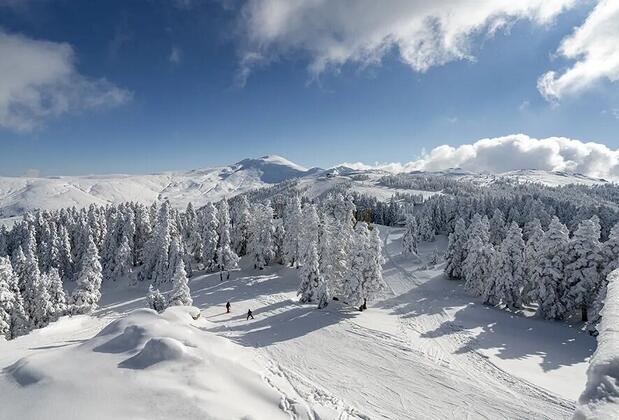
x=149, y=86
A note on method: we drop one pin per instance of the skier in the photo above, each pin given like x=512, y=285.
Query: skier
x=249, y=314
x=228, y=307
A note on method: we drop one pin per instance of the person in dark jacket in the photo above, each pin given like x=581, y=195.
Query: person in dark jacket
x=228, y=307
x=249, y=314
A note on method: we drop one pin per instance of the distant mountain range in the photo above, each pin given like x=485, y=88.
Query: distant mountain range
x=21, y=194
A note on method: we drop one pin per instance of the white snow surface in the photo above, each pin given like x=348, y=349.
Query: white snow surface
x=19, y=195
x=423, y=350
x=600, y=399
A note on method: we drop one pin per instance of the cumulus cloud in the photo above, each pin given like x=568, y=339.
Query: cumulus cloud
x=425, y=33
x=38, y=80
x=514, y=152
x=594, y=46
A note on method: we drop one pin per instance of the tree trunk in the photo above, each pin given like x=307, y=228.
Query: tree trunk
x=585, y=316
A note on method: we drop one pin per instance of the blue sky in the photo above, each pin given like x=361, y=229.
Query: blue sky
x=180, y=104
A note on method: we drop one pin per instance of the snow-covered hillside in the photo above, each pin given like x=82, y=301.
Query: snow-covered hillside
x=424, y=350
x=21, y=194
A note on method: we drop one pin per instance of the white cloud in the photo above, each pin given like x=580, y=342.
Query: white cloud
x=594, y=46
x=175, y=55
x=425, y=33
x=517, y=151
x=38, y=80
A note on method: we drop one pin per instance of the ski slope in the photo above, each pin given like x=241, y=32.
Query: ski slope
x=424, y=350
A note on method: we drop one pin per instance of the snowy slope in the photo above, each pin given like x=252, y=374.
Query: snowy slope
x=424, y=350
x=18, y=195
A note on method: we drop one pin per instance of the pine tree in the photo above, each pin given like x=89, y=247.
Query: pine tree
x=181, y=295
x=87, y=292
x=122, y=260
x=240, y=228
x=311, y=278
x=7, y=297
x=210, y=236
x=532, y=252
x=497, y=227
x=549, y=274
x=226, y=258
x=158, y=246
x=610, y=253
x=476, y=268
x=65, y=262
x=57, y=297
x=309, y=232
x=292, y=231
x=260, y=244
x=581, y=273
x=506, y=279
x=456, y=250
x=156, y=300
x=410, y=239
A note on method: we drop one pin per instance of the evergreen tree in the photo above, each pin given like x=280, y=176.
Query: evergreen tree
x=57, y=297
x=292, y=231
x=7, y=297
x=456, y=250
x=497, y=227
x=87, y=292
x=226, y=257
x=261, y=236
x=549, y=274
x=181, y=295
x=532, y=252
x=311, y=278
x=210, y=236
x=610, y=253
x=476, y=268
x=410, y=239
x=158, y=247
x=156, y=300
x=309, y=232
x=581, y=273
x=122, y=260
x=240, y=227
x=506, y=278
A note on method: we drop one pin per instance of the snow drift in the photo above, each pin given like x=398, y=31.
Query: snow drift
x=600, y=399
x=142, y=366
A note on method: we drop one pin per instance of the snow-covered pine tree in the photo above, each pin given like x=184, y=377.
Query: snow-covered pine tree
x=309, y=232
x=456, y=250
x=497, y=227
x=610, y=253
x=532, y=252
x=240, y=226
x=122, y=260
x=582, y=271
x=18, y=261
x=311, y=278
x=476, y=267
x=57, y=296
x=373, y=281
x=181, y=295
x=506, y=278
x=158, y=247
x=549, y=274
x=41, y=311
x=260, y=245
x=292, y=230
x=7, y=297
x=87, y=291
x=176, y=254
x=65, y=262
x=410, y=239
x=226, y=258
x=13, y=302
x=210, y=237
x=156, y=300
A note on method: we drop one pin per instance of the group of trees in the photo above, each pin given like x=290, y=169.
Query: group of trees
x=561, y=274
x=49, y=252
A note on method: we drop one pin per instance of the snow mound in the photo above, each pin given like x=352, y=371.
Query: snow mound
x=144, y=365
x=157, y=350
x=600, y=399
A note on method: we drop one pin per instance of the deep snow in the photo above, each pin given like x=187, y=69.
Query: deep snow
x=424, y=350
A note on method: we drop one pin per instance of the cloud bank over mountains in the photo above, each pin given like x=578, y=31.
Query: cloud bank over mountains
x=513, y=152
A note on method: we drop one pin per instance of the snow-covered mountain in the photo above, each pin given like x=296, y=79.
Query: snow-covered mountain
x=21, y=194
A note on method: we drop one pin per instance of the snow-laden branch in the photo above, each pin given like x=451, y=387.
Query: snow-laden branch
x=600, y=399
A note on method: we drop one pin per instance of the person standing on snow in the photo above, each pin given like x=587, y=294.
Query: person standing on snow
x=228, y=307
x=249, y=314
